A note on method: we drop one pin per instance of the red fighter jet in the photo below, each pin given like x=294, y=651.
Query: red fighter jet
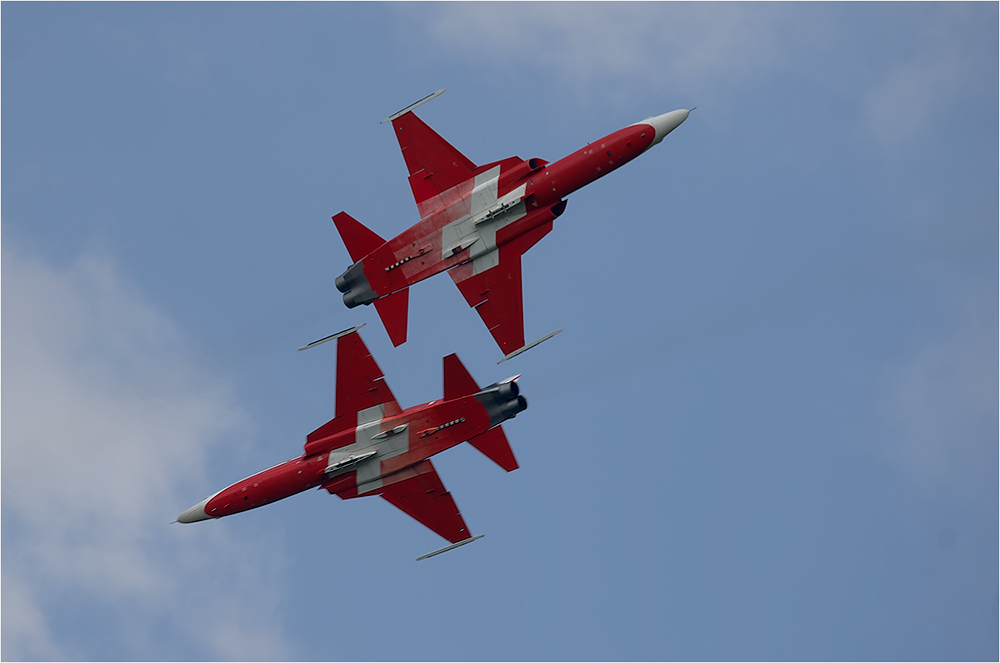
x=475, y=222
x=372, y=447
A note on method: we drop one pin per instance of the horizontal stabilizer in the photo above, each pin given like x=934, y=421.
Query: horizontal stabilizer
x=494, y=445
x=393, y=311
x=457, y=381
x=359, y=240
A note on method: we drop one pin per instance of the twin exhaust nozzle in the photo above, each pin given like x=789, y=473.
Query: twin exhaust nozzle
x=502, y=401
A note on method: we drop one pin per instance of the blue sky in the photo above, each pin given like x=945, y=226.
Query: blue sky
x=769, y=430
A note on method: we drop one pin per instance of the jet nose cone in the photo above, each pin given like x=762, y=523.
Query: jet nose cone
x=664, y=124
x=195, y=513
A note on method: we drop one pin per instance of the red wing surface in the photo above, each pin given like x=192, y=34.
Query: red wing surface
x=496, y=296
x=424, y=498
x=360, y=385
x=434, y=165
x=496, y=293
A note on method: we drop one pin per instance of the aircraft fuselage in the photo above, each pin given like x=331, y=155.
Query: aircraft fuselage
x=476, y=222
x=505, y=200
x=364, y=458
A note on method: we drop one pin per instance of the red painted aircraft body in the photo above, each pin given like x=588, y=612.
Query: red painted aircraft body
x=476, y=222
x=372, y=447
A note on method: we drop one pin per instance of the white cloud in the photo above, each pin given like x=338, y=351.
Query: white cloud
x=941, y=64
x=595, y=45
x=106, y=426
x=896, y=78
x=26, y=635
x=943, y=405
x=904, y=105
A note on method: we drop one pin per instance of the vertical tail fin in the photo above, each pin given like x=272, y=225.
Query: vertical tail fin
x=392, y=309
x=493, y=443
x=359, y=240
x=457, y=381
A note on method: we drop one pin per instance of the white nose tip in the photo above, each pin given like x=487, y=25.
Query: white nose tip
x=195, y=513
x=664, y=124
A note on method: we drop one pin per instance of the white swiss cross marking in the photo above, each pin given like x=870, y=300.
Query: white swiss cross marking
x=488, y=213
x=369, y=472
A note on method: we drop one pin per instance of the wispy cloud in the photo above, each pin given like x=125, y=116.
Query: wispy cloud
x=107, y=423
x=630, y=45
x=904, y=104
x=942, y=402
x=893, y=80
x=945, y=64
x=26, y=635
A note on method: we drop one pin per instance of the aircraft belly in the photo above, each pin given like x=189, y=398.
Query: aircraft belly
x=459, y=235
x=369, y=476
x=484, y=191
x=485, y=255
x=487, y=213
x=481, y=238
x=371, y=447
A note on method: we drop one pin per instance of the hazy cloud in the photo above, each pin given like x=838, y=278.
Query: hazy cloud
x=636, y=45
x=107, y=423
x=26, y=635
x=941, y=70
x=911, y=97
x=942, y=400
x=715, y=52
